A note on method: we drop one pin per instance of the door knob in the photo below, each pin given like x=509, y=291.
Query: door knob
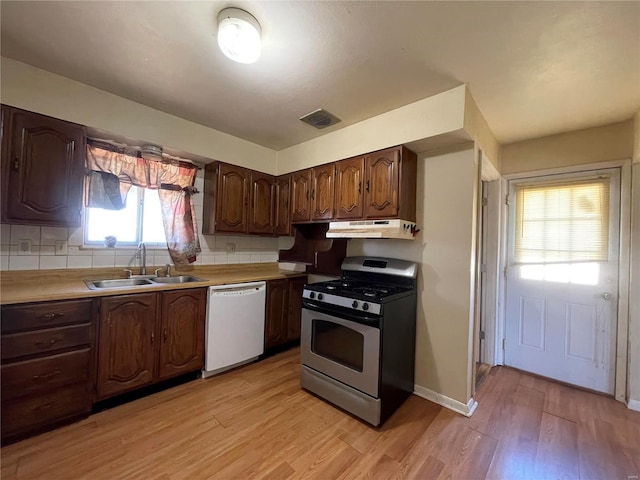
x=607, y=296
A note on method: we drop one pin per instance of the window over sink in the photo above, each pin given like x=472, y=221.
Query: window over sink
x=139, y=221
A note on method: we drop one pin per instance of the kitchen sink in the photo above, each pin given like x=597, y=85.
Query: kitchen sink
x=119, y=282
x=177, y=279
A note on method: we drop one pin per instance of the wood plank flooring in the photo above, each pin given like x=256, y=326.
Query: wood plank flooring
x=256, y=423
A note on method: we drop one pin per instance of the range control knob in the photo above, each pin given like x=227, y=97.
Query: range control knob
x=319, y=296
x=365, y=306
x=354, y=304
x=312, y=295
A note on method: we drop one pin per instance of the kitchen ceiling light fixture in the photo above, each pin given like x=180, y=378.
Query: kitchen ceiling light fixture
x=239, y=35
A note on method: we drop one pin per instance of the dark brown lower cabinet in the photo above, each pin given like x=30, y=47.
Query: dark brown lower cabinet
x=148, y=337
x=283, y=311
x=294, y=306
x=48, y=360
x=182, y=345
x=126, y=349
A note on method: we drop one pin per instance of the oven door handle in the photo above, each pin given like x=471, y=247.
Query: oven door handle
x=365, y=319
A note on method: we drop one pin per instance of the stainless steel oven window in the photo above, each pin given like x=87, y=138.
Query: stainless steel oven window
x=331, y=356
x=338, y=343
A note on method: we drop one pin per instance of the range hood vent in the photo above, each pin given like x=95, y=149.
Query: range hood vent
x=396, y=228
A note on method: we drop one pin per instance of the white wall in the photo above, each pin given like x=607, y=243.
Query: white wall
x=580, y=147
x=39, y=91
x=634, y=298
x=444, y=250
x=436, y=115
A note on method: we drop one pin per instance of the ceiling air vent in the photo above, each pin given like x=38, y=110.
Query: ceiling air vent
x=320, y=118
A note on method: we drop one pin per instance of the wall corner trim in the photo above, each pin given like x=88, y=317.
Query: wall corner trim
x=634, y=405
x=465, y=409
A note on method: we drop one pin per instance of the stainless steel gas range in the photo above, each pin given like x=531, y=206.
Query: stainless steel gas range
x=358, y=337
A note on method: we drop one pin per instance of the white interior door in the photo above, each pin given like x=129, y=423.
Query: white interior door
x=562, y=277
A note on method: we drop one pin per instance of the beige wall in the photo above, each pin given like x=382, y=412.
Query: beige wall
x=436, y=115
x=591, y=145
x=444, y=251
x=33, y=89
x=478, y=129
x=636, y=138
x=633, y=386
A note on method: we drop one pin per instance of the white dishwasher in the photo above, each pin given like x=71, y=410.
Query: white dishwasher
x=235, y=326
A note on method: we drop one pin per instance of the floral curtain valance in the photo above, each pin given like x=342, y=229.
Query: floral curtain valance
x=112, y=171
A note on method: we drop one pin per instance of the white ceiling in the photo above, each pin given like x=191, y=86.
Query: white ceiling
x=534, y=68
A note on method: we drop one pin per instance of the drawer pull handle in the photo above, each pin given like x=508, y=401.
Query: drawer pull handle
x=46, y=377
x=51, y=316
x=43, y=406
x=47, y=344
x=165, y=334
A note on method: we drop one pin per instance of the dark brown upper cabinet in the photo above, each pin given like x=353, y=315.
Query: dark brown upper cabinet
x=282, y=213
x=226, y=199
x=238, y=200
x=262, y=204
x=349, y=183
x=43, y=162
x=390, y=184
x=322, y=192
x=301, y=196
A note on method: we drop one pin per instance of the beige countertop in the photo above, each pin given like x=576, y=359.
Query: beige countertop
x=45, y=285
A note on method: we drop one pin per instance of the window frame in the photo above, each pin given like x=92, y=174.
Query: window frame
x=97, y=244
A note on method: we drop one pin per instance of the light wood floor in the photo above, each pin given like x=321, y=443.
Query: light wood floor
x=255, y=423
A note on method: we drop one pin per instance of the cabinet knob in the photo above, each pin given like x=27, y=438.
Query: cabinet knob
x=16, y=163
x=359, y=187
x=367, y=186
x=153, y=337
x=165, y=334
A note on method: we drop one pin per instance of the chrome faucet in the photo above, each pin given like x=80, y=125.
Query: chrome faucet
x=142, y=254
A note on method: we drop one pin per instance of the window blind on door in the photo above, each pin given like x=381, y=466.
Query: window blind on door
x=562, y=222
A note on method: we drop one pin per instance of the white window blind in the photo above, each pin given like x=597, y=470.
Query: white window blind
x=562, y=222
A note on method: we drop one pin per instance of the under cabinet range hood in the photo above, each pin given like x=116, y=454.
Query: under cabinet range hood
x=373, y=229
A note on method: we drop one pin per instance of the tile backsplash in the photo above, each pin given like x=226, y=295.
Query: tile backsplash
x=43, y=255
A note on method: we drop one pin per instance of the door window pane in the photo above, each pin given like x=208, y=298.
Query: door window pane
x=562, y=222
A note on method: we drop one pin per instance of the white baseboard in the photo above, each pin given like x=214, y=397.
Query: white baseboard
x=634, y=405
x=465, y=409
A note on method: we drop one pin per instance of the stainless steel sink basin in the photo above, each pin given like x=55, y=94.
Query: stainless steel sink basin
x=177, y=279
x=119, y=282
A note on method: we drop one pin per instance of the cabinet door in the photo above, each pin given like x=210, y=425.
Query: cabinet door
x=282, y=213
x=322, y=192
x=127, y=343
x=381, y=184
x=43, y=170
x=232, y=199
x=275, y=329
x=182, y=332
x=262, y=198
x=301, y=196
x=296, y=285
x=349, y=188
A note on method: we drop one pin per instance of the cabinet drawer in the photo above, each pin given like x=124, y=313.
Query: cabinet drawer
x=25, y=414
x=41, y=341
x=43, y=374
x=43, y=315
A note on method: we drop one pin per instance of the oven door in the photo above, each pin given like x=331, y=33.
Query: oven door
x=345, y=350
